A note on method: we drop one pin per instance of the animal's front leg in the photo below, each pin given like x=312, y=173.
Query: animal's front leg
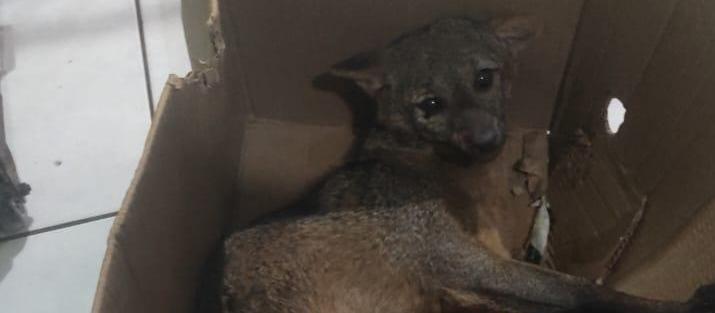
x=476, y=270
x=461, y=301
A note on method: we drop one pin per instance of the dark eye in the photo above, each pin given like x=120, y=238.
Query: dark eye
x=485, y=78
x=431, y=106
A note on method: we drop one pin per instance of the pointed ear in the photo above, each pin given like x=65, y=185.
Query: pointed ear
x=365, y=69
x=517, y=31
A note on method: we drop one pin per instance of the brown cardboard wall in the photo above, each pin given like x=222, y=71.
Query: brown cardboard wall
x=686, y=262
x=613, y=44
x=673, y=164
x=281, y=160
x=593, y=200
x=656, y=57
x=284, y=45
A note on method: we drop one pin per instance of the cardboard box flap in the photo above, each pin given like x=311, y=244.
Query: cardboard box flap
x=118, y=289
x=186, y=176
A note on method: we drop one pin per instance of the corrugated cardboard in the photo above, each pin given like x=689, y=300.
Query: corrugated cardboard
x=251, y=130
x=657, y=58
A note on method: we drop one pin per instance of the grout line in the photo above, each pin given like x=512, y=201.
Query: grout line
x=58, y=226
x=145, y=59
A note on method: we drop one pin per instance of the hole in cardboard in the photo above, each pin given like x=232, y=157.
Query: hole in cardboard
x=615, y=115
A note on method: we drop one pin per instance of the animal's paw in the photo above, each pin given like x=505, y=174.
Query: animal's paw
x=703, y=301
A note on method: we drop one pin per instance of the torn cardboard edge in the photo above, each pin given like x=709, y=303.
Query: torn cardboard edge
x=116, y=269
x=110, y=272
x=191, y=190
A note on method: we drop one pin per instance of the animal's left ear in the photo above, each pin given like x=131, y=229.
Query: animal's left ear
x=517, y=32
x=365, y=69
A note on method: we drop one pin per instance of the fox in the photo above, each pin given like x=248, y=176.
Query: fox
x=391, y=232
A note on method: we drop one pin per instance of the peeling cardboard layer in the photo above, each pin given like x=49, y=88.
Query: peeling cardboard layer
x=204, y=37
x=213, y=23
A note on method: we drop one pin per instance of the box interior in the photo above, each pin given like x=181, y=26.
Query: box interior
x=252, y=128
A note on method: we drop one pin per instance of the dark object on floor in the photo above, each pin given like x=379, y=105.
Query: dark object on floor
x=13, y=215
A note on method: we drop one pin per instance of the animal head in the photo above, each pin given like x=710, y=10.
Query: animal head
x=446, y=83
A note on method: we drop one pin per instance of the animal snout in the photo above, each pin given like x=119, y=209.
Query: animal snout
x=481, y=133
x=483, y=140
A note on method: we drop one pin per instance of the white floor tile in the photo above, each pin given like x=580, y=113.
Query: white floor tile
x=53, y=272
x=76, y=107
x=165, y=42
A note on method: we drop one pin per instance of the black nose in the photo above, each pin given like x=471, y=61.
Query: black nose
x=479, y=133
x=482, y=139
x=486, y=137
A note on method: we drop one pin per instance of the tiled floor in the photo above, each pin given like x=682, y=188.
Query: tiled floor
x=76, y=114
x=53, y=272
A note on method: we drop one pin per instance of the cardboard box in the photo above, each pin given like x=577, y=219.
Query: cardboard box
x=248, y=132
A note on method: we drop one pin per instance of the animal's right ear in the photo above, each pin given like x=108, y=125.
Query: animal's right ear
x=365, y=69
x=517, y=31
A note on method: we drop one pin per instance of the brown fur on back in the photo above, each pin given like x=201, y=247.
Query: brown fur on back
x=350, y=261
